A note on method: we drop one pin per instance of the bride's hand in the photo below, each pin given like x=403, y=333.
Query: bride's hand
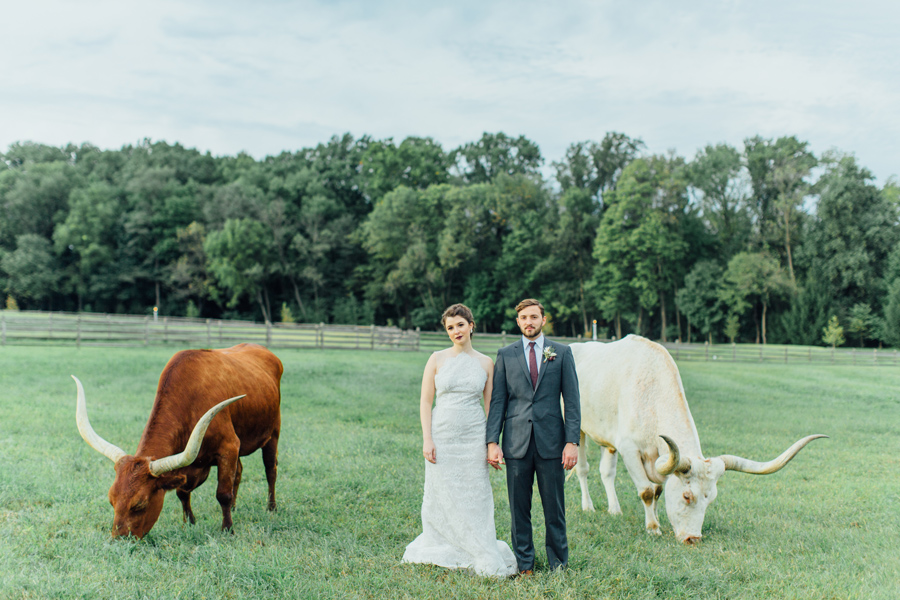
x=494, y=455
x=429, y=452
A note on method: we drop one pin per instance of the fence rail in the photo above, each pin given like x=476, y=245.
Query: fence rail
x=18, y=328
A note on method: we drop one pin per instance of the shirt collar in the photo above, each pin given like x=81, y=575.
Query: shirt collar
x=538, y=343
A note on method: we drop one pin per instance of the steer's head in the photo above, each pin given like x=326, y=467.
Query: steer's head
x=691, y=483
x=141, y=483
x=690, y=489
x=137, y=495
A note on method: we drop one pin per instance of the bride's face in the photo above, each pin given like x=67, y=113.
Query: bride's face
x=459, y=330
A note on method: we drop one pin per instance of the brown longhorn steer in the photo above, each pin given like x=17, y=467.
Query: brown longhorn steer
x=183, y=440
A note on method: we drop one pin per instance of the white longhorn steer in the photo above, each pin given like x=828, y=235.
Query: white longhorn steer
x=633, y=403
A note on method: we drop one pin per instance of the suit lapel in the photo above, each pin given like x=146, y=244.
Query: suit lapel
x=544, y=365
x=519, y=349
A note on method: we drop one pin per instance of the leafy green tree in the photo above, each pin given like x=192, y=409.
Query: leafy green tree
x=700, y=298
x=286, y=315
x=778, y=170
x=596, y=167
x=890, y=326
x=416, y=163
x=572, y=257
x=33, y=198
x=754, y=279
x=802, y=323
x=640, y=244
x=240, y=256
x=862, y=322
x=833, y=333
x=88, y=241
x=31, y=269
x=732, y=326
x=401, y=235
x=716, y=176
x=495, y=154
x=853, y=234
x=189, y=278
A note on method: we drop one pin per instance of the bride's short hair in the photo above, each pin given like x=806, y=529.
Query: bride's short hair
x=458, y=310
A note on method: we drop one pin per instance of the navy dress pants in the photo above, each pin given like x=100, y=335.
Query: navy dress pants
x=520, y=475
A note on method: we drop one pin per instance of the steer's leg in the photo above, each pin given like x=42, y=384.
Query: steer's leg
x=227, y=468
x=608, y=460
x=184, y=495
x=187, y=513
x=647, y=490
x=237, y=481
x=581, y=469
x=270, y=462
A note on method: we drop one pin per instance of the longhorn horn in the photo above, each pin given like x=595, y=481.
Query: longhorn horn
x=183, y=459
x=674, y=462
x=736, y=463
x=110, y=451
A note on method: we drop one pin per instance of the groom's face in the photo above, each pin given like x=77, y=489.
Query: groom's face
x=531, y=321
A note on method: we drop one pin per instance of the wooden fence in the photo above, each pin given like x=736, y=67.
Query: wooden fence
x=19, y=328
x=28, y=328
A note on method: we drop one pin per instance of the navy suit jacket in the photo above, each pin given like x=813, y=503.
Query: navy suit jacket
x=517, y=410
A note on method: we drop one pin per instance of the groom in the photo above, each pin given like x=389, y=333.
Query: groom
x=529, y=376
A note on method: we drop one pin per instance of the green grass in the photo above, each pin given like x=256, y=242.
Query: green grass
x=350, y=485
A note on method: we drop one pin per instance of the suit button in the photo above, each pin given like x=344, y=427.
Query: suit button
x=529, y=420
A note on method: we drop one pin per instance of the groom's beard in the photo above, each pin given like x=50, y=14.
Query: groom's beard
x=531, y=334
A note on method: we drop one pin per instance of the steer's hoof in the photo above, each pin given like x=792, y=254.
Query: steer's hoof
x=653, y=529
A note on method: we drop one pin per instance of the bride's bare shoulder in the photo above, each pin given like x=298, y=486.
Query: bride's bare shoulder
x=486, y=362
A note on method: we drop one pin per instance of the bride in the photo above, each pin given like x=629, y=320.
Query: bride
x=458, y=506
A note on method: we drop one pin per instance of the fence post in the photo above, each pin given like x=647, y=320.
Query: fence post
x=268, y=334
x=418, y=336
x=208, y=334
x=785, y=356
x=220, y=332
x=875, y=355
x=733, y=352
x=165, y=330
x=707, y=349
x=373, y=337
x=50, y=326
x=146, y=331
x=78, y=335
x=320, y=335
x=503, y=338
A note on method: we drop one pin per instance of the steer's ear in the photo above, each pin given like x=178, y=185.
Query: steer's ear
x=170, y=481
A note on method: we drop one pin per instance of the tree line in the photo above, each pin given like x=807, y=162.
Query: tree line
x=764, y=243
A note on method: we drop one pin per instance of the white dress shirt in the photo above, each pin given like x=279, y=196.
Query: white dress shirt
x=538, y=350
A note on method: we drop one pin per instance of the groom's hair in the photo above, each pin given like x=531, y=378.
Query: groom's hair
x=458, y=310
x=529, y=302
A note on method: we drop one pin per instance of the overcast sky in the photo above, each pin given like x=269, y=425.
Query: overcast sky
x=229, y=76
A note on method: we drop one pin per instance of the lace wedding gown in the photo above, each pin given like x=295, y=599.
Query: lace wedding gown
x=458, y=507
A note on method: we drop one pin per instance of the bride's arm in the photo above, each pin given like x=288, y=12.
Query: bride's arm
x=425, y=401
x=488, y=365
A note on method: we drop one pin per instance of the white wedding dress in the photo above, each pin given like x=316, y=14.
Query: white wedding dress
x=458, y=506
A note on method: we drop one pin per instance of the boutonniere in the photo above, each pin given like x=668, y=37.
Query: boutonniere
x=549, y=353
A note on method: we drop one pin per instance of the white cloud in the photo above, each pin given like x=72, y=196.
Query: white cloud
x=227, y=77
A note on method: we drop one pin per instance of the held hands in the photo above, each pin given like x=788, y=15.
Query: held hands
x=494, y=455
x=429, y=452
x=570, y=456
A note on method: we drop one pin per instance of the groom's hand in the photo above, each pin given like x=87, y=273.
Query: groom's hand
x=570, y=456
x=494, y=455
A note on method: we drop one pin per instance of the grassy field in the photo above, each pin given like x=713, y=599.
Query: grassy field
x=350, y=484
